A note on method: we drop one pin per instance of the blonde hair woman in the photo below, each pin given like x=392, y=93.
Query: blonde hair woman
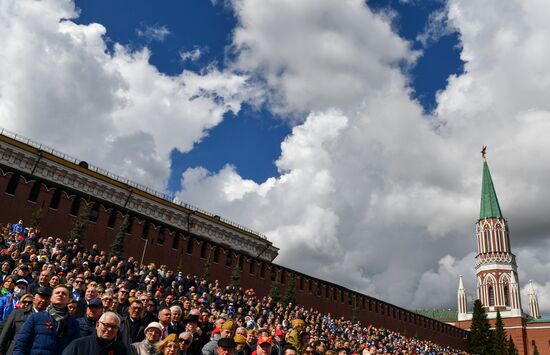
x=169, y=346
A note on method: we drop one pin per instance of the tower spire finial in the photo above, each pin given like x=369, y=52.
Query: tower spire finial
x=489, y=202
x=484, y=152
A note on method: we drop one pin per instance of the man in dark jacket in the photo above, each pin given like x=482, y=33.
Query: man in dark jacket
x=17, y=318
x=132, y=327
x=43, y=281
x=102, y=342
x=82, y=304
x=87, y=324
x=50, y=331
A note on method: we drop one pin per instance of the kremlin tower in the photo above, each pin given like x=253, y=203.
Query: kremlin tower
x=496, y=268
x=497, y=282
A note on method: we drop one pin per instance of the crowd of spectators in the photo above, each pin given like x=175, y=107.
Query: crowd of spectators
x=58, y=297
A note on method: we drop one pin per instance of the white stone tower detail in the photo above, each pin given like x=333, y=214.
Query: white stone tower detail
x=533, y=302
x=462, y=307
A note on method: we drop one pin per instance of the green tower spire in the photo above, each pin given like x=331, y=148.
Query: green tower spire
x=489, y=202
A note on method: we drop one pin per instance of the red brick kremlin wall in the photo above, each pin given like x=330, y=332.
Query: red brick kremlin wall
x=181, y=250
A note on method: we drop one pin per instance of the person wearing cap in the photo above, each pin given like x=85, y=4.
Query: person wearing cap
x=147, y=345
x=82, y=304
x=226, y=346
x=200, y=338
x=8, y=302
x=242, y=348
x=24, y=272
x=279, y=342
x=31, y=304
x=226, y=331
x=264, y=346
x=211, y=347
x=293, y=338
x=87, y=323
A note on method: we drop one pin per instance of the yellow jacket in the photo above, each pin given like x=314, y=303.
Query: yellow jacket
x=293, y=338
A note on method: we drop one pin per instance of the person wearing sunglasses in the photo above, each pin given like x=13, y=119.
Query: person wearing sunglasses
x=185, y=339
x=308, y=350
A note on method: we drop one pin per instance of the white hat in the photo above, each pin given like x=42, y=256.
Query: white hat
x=155, y=325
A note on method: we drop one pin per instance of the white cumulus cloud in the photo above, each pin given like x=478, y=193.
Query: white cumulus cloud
x=372, y=193
x=59, y=85
x=154, y=33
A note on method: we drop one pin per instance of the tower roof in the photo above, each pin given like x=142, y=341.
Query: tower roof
x=489, y=202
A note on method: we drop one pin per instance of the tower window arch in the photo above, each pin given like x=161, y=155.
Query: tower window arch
x=12, y=184
x=35, y=191
x=75, y=207
x=491, y=294
x=506, y=295
x=56, y=198
x=497, y=237
x=487, y=237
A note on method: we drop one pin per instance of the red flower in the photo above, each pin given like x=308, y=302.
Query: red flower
x=48, y=325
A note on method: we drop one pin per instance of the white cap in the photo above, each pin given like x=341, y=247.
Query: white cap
x=155, y=325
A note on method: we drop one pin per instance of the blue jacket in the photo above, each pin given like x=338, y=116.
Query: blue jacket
x=38, y=335
x=6, y=307
x=17, y=228
x=87, y=327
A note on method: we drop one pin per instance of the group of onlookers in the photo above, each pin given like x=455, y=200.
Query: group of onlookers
x=58, y=297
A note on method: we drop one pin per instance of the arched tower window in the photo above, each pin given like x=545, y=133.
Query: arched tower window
x=12, y=184
x=56, y=198
x=75, y=207
x=216, y=257
x=487, y=235
x=491, y=293
x=506, y=296
x=35, y=191
x=502, y=239
x=497, y=239
x=204, y=250
x=94, y=213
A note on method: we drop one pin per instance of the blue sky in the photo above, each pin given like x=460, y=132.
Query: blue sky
x=251, y=140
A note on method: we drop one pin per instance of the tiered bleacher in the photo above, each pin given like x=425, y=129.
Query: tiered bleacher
x=59, y=297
